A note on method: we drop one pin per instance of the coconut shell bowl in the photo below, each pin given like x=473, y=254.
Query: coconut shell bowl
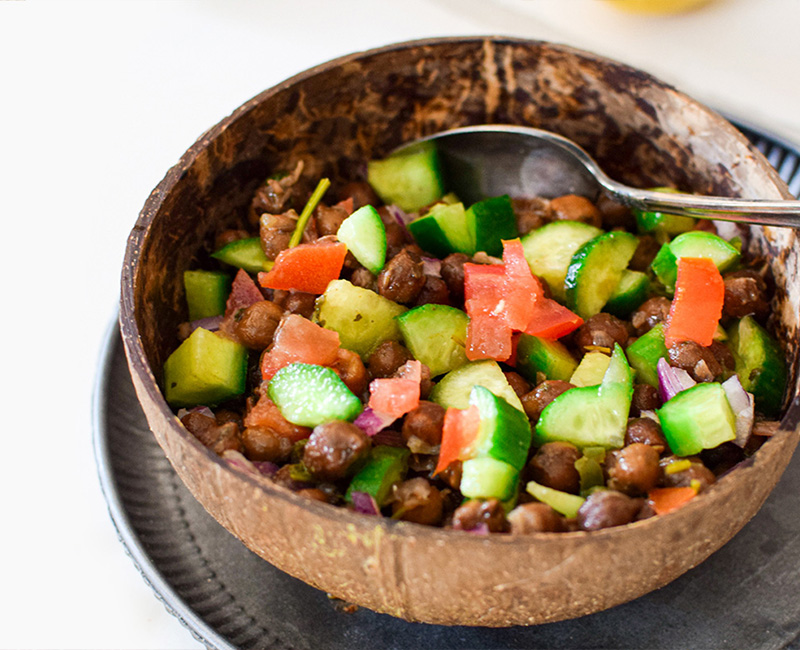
x=334, y=118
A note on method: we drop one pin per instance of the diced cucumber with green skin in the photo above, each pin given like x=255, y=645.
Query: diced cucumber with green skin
x=362, y=318
x=591, y=369
x=551, y=358
x=436, y=335
x=669, y=224
x=596, y=269
x=245, y=254
x=206, y=293
x=591, y=416
x=453, y=220
x=205, y=369
x=504, y=433
x=487, y=478
x=692, y=244
x=631, y=292
x=489, y=222
x=364, y=235
x=411, y=179
x=760, y=364
x=562, y=502
x=430, y=236
x=385, y=467
x=311, y=395
x=454, y=389
x=444, y=230
x=549, y=251
x=644, y=353
x=697, y=418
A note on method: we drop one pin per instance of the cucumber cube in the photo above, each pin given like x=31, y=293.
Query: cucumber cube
x=591, y=369
x=444, y=230
x=489, y=222
x=504, y=433
x=695, y=243
x=206, y=293
x=487, y=478
x=436, y=336
x=364, y=235
x=596, y=269
x=549, y=251
x=205, y=369
x=454, y=389
x=760, y=364
x=411, y=179
x=644, y=353
x=538, y=355
x=311, y=395
x=245, y=254
x=697, y=418
x=362, y=318
x=629, y=294
x=591, y=416
x=385, y=467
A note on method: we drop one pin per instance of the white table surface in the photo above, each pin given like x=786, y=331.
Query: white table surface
x=99, y=99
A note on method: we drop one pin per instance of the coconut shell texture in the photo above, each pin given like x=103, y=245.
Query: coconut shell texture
x=334, y=118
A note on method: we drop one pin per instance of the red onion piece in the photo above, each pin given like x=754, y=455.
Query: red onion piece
x=480, y=529
x=743, y=407
x=650, y=415
x=211, y=323
x=364, y=503
x=265, y=467
x=400, y=216
x=371, y=421
x=238, y=460
x=202, y=410
x=672, y=381
x=244, y=292
x=431, y=266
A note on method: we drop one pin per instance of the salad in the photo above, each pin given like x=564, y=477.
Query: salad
x=518, y=365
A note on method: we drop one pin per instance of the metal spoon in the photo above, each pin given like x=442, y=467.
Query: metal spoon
x=494, y=159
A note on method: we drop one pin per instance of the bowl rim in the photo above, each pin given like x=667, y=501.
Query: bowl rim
x=789, y=423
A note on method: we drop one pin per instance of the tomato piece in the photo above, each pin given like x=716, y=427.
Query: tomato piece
x=551, y=320
x=267, y=415
x=664, y=500
x=488, y=332
x=459, y=433
x=297, y=339
x=483, y=285
x=522, y=290
x=697, y=305
x=393, y=397
x=396, y=396
x=306, y=267
x=488, y=337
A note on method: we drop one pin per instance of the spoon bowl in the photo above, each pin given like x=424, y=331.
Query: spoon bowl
x=493, y=159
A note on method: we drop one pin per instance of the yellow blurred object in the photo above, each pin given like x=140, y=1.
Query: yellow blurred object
x=657, y=6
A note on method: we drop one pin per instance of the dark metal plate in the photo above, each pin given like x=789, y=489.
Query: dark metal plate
x=747, y=595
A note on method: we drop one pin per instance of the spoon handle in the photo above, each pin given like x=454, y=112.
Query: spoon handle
x=750, y=211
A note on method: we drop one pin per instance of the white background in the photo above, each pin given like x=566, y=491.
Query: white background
x=98, y=100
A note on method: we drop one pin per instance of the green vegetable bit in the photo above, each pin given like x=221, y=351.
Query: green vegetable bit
x=205, y=369
x=385, y=467
x=310, y=395
x=206, y=293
